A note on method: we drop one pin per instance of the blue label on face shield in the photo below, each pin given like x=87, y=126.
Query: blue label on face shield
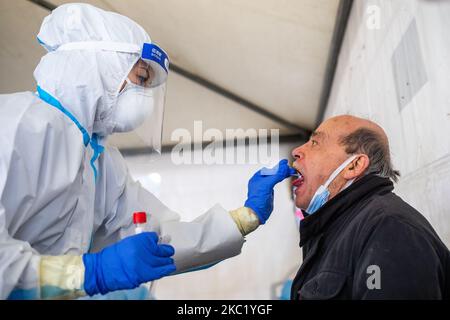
x=152, y=52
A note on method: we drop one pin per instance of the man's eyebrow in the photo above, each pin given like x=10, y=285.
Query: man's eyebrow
x=318, y=134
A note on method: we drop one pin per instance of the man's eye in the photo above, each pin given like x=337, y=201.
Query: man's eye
x=313, y=142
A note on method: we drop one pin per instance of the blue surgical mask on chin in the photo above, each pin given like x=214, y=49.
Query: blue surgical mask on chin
x=322, y=193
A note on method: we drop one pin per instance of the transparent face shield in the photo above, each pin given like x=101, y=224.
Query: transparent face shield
x=139, y=112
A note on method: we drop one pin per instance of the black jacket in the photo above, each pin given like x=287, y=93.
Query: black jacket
x=367, y=243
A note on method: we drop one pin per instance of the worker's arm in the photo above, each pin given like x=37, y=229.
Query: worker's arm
x=397, y=262
x=212, y=237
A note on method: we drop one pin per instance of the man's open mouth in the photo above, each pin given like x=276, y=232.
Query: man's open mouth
x=299, y=181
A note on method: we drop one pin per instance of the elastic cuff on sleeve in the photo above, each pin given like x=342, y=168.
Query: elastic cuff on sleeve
x=61, y=277
x=245, y=219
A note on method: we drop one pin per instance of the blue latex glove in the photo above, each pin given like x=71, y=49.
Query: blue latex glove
x=260, y=188
x=127, y=264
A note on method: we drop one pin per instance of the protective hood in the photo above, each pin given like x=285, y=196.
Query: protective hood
x=86, y=82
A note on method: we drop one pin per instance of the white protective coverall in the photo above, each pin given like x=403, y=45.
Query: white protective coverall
x=51, y=206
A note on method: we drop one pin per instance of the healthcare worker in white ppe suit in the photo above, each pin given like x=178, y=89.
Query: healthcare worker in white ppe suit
x=67, y=198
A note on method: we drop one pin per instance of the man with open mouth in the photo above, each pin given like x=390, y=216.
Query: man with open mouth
x=359, y=239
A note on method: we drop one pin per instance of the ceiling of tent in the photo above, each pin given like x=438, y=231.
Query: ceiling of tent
x=271, y=53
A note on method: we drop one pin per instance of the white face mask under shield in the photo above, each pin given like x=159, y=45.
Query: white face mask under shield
x=134, y=105
x=322, y=193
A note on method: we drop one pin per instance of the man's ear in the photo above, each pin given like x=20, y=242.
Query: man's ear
x=357, y=167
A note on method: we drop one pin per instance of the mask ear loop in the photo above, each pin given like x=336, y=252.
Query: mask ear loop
x=339, y=170
x=128, y=83
x=349, y=182
x=125, y=78
x=353, y=180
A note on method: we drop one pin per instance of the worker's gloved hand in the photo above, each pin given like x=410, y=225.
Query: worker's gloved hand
x=260, y=188
x=127, y=264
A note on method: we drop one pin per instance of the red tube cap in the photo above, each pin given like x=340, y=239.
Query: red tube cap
x=139, y=217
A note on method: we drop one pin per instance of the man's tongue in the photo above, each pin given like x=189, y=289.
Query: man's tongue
x=298, y=182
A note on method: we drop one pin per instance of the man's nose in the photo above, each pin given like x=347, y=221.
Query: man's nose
x=297, y=153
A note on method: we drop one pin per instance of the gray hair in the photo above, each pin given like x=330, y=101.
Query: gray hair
x=369, y=142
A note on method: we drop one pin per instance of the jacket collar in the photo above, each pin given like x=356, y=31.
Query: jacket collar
x=357, y=192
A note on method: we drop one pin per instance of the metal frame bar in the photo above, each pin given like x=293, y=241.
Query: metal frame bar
x=239, y=100
x=44, y=4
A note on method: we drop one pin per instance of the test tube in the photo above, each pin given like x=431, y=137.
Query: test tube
x=139, y=220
